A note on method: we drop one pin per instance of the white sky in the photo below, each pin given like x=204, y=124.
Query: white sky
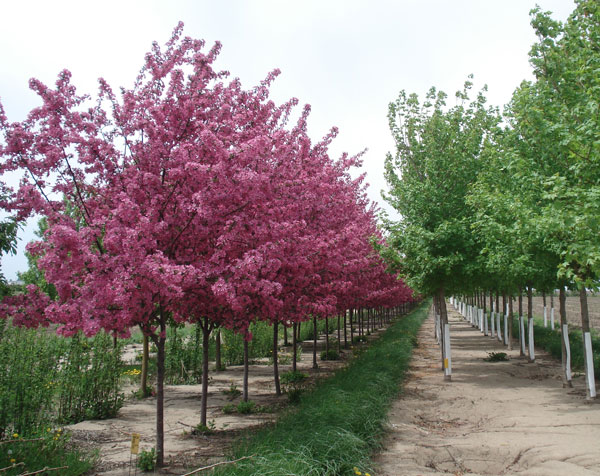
x=347, y=58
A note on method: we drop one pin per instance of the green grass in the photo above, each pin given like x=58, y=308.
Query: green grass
x=337, y=426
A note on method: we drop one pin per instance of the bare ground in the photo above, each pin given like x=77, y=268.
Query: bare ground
x=184, y=450
x=493, y=418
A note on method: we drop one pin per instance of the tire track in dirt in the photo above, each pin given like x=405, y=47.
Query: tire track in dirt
x=492, y=418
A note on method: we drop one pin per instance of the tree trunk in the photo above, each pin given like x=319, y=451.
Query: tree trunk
x=245, y=381
x=351, y=327
x=345, y=332
x=315, y=365
x=218, y=364
x=294, y=346
x=145, y=357
x=552, y=310
x=206, y=329
x=339, y=333
x=587, y=346
x=327, y=337
x=160, y=394
x=545, y=309
x=276, y=358
x=564, y=329
x=521, y=326
x=530, y=343
x=508, y=337
x=285, y=336
x=446, y=336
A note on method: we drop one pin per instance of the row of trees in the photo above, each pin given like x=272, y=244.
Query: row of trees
x=187, y=199
x=506, y=202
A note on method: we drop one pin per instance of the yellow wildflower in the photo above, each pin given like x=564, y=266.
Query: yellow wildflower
x=15, y=435
x=13, y=461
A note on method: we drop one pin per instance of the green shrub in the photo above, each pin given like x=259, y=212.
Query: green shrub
x=359, y=339
x=47, y=448
x=147, y=460
x=183, y=356
x=229, y=408
x=331, y=355
x=496, y=357
x=232, y=392
x=89, y=380
x=245, y=408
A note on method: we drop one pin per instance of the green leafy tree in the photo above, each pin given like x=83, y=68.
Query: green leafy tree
x=437, y=157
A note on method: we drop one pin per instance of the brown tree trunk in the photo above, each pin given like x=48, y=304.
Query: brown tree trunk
x=145, y=357
x=345, y=331
x=351, y=327
x=159, y=340
x=339, y=333
x=246, y=370
x=327, y=337
x=285, y=335
x=218, y=364
x=447, y=360
x=294, y=346
x=206, y=330
x=315, y=365
x=276, y=358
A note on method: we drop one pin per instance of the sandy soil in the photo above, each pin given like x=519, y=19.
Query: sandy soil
x=184, y=450
x=492, y=418
x=573, y=310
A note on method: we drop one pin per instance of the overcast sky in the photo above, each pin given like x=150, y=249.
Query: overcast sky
x=347, y=58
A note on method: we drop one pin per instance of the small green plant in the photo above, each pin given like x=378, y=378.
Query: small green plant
x=246, y=408
x=331, y=355
x=147, y=460
x=496, y=357
x=359, y=339
x=229, y=408
x=201, y=429
x=232, y=392
x=293, y=385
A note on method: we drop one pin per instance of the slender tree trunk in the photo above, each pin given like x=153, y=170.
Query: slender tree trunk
x=552, y=310
x=339, y=333
x=246, y=370
x=276, y=358
x=285, y=336
x=531, y=343
x=327, y=337
x=351, y=327
x=206, y=329
x=345, y=331
x=294, y=346
x=509, y=329
x=218, y=364
x=545, y=309
x=504, y=315
x=521, y=326
x=315, y=365
x=160, y=394
x=587, y=346
x=145, y=357
x=564, y=330
x=445, y=336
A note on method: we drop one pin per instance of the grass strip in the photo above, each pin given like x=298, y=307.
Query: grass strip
x=336, y=427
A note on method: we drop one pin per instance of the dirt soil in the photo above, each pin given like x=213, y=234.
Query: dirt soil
x=493, y=418
x=185, y=451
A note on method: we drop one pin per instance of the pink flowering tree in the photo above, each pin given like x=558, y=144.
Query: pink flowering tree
x=159, y=176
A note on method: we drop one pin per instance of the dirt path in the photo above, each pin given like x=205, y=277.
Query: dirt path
x=493, y=418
